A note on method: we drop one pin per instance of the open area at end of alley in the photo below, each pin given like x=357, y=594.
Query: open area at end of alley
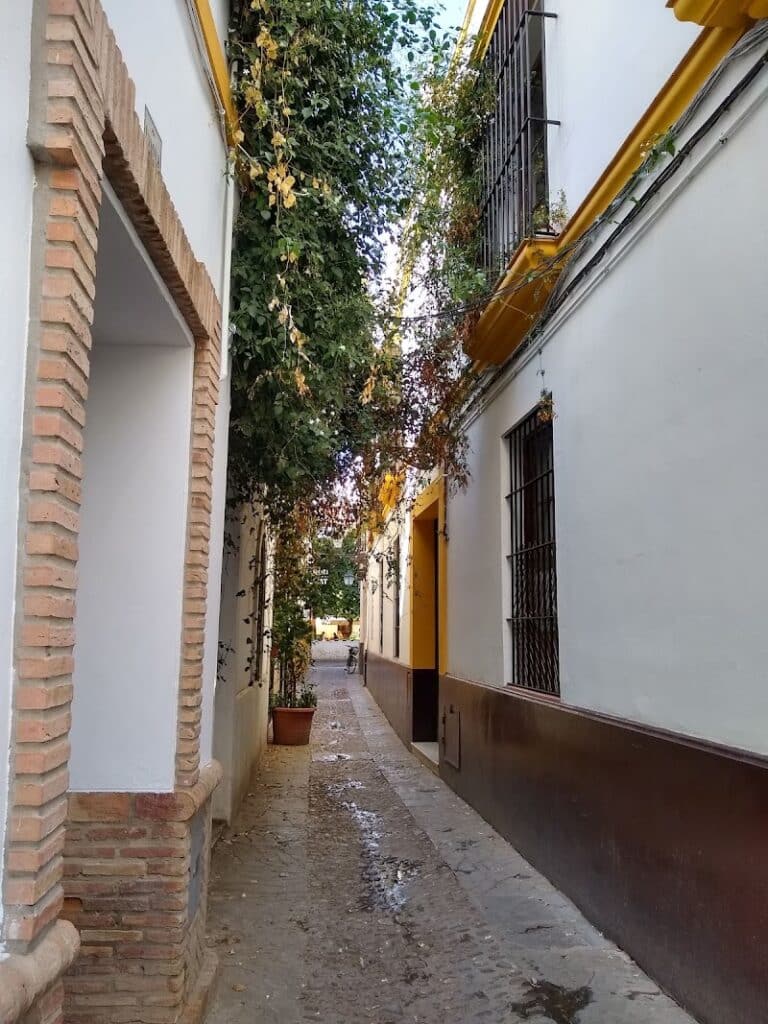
x=355, y=887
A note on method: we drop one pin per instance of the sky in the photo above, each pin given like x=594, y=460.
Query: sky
x=453, y=14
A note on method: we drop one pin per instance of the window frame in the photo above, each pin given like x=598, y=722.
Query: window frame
x=514, y=200
x=533, y=623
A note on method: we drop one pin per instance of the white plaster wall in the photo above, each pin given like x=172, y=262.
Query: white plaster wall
x=241, y=711
x=158, y=44
x=16, y=191
x=385, y=545
x=131, y=570
x=660, y=437
x=605, y=62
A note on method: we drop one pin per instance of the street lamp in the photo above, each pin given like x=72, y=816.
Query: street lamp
x=349, y=578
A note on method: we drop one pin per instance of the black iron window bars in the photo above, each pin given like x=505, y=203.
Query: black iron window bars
x=515, y=189
x=532, y=562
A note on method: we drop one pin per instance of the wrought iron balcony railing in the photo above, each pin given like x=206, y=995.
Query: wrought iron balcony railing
x=515, y=186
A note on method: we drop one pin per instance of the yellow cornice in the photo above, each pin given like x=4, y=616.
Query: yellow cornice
x=518, y=300
x=535, y=266
x=719, y=13
x=218, y=63
x=487, y=25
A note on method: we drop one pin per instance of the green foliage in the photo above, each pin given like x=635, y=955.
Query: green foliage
x=330, y=595
x=291, y=628
x=442, y=239
x=306, y=697
x=323, y=159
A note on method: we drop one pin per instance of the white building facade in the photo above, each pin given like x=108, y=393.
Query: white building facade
x=117, y=224
x=594, y=678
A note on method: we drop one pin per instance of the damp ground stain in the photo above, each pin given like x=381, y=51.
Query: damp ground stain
x=556, y=1003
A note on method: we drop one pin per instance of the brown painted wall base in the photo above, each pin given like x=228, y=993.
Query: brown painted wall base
x=390, y=685
x=663, y=843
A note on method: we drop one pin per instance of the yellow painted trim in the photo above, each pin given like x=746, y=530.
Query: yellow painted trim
x=464, y=32
x=487, y=25
x=507, y=319
x=670, y=103
x=519, y=299
x=218, y=63
x=426, y=499
x=429, y=506
x=719, y=13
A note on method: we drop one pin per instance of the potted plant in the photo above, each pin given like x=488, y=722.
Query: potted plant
x=294, y=702
x=292, y=715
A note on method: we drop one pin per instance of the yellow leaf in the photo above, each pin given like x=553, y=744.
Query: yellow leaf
x=290, y=200
x=272, y=200
x=274, y=302
x=301, y=381
x=287, y=112
x=271, y=173
x=367, y=393
x=282, y=316
x=238, y=136
x=315, y=183
x=278, y=139
x=252, y=95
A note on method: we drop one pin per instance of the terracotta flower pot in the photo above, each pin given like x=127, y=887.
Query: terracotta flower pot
x=291, y=726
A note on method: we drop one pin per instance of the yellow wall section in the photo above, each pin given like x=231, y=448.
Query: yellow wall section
x=429, y=508
x=422, y=585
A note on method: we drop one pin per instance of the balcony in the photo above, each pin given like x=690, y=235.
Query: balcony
x=517, y=237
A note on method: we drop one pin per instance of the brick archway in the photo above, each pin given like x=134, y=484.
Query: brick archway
x=83, y=125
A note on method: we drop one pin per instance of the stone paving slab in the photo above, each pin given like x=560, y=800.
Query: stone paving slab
x=356, y=888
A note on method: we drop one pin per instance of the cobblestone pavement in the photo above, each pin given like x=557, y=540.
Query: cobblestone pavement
x=356, y=888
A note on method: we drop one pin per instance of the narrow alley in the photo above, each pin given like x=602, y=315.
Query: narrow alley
x=355, y=887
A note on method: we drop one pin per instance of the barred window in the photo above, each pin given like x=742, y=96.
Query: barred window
x=533, y=622
x=515, y=189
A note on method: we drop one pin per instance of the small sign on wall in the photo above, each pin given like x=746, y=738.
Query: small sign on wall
x=452, y=736
x=153, y=137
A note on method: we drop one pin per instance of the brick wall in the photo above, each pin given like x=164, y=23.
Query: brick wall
x=129, y=870
x=48, y=1007
x=82, y=125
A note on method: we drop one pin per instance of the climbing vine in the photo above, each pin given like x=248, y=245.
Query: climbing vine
x=322, y=156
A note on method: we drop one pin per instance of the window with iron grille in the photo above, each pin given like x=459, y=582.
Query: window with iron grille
x=515, y=189
x=396, y=610
x=532, y=561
